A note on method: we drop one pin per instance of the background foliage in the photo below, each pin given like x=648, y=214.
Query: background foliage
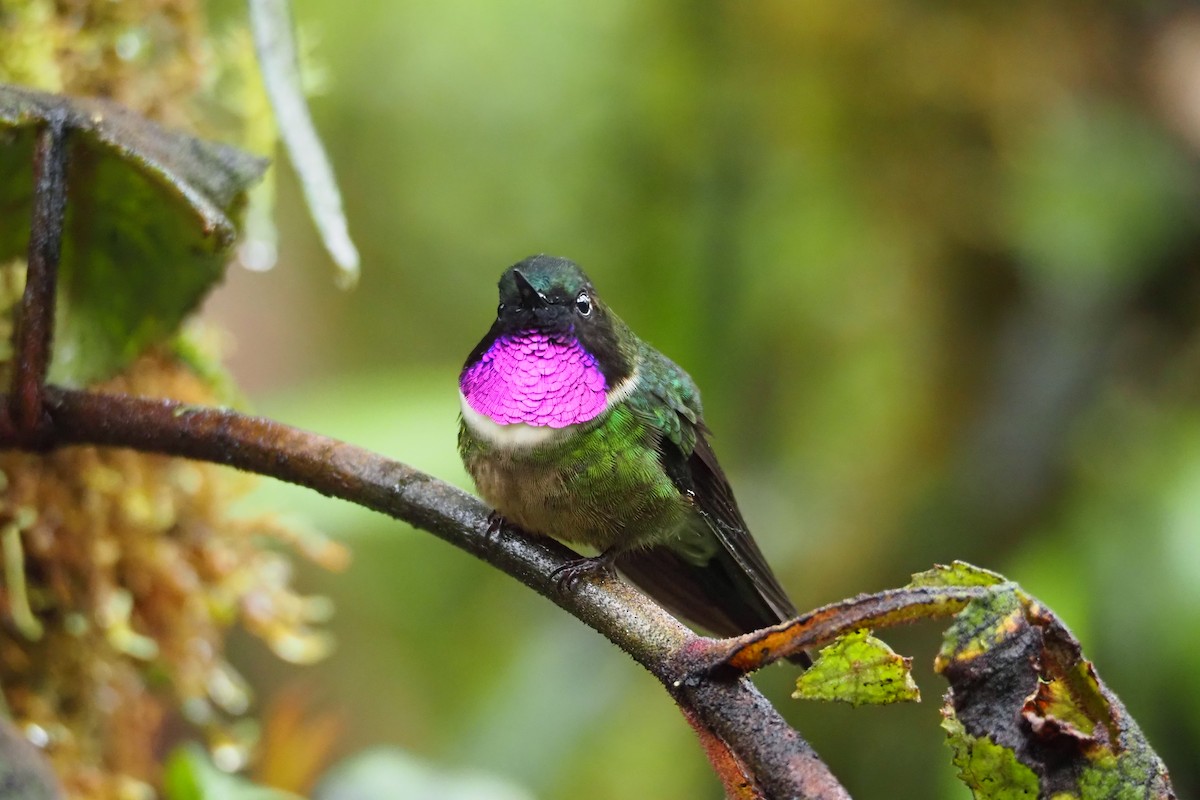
x=933, y=264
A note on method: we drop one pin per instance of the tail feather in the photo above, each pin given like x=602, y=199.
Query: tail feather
x=717, y=596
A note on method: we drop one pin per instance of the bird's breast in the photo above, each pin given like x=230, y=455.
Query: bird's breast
x=600, y=484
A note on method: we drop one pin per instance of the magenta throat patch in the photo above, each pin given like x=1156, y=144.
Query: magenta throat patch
x=537, y=379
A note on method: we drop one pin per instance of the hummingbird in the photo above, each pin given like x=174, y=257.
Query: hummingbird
x=572, y=427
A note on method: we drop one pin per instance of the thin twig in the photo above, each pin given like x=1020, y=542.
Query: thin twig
x=35, y=327
x=741, y=655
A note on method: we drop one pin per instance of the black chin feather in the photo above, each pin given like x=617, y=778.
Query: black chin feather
x=598, y=335
x=494, y=333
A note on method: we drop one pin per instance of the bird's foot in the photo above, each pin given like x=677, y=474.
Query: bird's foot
x=570, y=573
x=496, y=523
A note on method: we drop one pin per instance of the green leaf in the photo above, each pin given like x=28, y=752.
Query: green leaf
x=150, y=218
x=991, y=771
x=1133, y=775
x=189, y=775
x=861, y=670
x=958, y=573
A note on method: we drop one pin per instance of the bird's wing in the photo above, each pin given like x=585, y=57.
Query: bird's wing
x=736, y=579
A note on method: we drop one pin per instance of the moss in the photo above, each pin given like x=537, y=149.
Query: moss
x=136, y=571
x=156, y=57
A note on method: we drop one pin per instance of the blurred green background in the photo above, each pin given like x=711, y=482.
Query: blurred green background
x=934, y=266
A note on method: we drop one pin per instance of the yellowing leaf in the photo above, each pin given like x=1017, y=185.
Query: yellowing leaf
x=980, y=626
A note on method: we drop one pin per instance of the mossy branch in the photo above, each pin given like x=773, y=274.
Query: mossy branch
x=736, y=723
x=1002, y=638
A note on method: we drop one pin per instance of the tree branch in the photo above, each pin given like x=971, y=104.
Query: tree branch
x=776, y=761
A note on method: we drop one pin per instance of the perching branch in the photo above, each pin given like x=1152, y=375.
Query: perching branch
x=736, y=723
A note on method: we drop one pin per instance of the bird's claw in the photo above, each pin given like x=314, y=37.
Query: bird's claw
x=496, y=523
x=567, y=576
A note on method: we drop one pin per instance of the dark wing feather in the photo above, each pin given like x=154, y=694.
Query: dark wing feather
x=714, y=500
x=698, y=594
x=734, y=591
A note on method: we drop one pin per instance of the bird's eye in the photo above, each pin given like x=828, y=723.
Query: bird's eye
x=499, y=309
x=583, y=304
